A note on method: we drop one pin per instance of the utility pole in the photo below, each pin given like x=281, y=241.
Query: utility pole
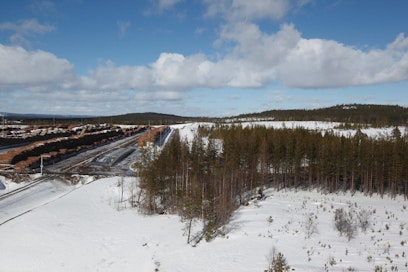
x=42, y=165
x=4, y=118
x=148, y=137
x=160, y=131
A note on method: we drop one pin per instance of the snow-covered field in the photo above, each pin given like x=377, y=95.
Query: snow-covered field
x=188, y=130
x=87, y=229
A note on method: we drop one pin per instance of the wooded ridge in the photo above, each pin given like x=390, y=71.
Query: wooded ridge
x=363, y=114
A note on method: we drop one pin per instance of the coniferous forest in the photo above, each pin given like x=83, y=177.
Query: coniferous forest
x=224, y=166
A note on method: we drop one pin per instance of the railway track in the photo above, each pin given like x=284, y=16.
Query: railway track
x=24, y=188
x=37, y=193
x=89, y=156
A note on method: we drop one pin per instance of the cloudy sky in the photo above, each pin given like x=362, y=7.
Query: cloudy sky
x=200, y=57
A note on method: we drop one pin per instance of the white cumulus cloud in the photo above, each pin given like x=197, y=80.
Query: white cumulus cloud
x=318, y=63
x=110, y=77
x=256, y=60
x=32, y=70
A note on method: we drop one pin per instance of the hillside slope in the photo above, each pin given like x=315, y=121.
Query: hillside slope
x=377, y=115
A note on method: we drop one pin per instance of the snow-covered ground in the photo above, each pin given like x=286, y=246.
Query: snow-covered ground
x=187, y=131
x=88, y=230
x=10, y=185
x=32, y=196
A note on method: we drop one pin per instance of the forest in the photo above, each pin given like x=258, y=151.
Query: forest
x=362, y=114
x=225, y=166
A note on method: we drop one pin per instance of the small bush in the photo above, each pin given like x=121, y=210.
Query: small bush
x=332, y=261
x=378, y=268
x=277, y=262
x=344, y=223
x=364, y=219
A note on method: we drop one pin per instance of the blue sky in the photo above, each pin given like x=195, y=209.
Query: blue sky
x=200, y=58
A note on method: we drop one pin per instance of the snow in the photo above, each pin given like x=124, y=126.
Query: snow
x=84, y=231
x=10, y=185
x=88, y=228
x=188, y=131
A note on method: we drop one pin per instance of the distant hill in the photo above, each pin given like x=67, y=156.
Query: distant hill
x=151, y=118
x=41, y=118
x=146, y=118
x=376, y=115
x=24, y=116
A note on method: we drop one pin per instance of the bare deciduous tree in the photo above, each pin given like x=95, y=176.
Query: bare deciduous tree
x=310, y=225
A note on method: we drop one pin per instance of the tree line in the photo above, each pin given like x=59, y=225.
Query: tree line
x=363, y=114
x=225, y=165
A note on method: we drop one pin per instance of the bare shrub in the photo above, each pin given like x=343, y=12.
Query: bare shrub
x=378, y=268
x=345, y=223
x=364, y=219
x=310, y=225
x=339, y=220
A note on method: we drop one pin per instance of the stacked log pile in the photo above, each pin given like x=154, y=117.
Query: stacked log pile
x=152, y=136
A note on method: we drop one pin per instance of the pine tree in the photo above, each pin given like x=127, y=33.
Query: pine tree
x=277, y=262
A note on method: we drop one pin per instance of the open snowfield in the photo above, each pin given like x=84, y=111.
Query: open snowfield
x=87, y=230
x=188, y=131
